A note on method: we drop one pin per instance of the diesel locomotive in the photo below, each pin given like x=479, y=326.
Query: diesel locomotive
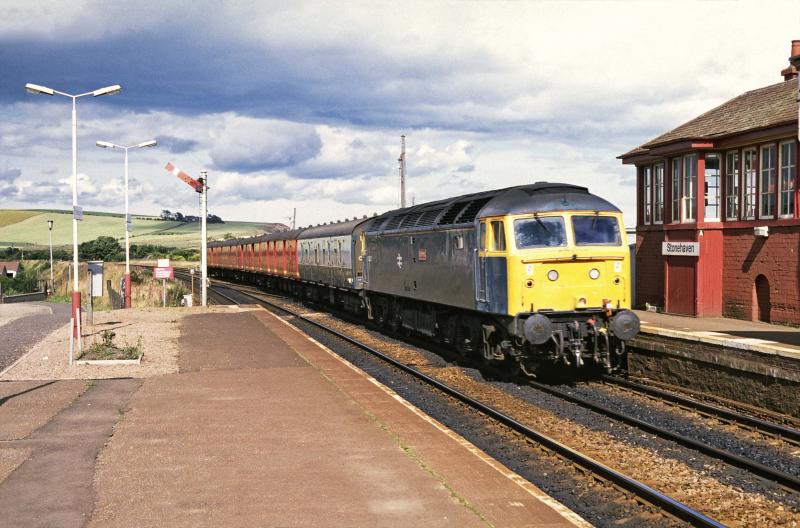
x=528, y=277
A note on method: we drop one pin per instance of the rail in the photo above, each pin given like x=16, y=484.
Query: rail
x=641, y=490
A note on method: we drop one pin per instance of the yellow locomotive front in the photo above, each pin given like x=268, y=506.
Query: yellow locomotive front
x=568, y=286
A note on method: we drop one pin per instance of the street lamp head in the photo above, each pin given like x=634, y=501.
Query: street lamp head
x=50, y=225
x=36, y=89
x=145, y=144
x=108, y=90
x=105, y=144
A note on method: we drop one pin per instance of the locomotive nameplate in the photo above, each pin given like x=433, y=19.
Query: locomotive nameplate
x=683, y=249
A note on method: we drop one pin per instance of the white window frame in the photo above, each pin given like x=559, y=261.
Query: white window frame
x=706, y=187
x=677, y=197
x=792, y=178
x=647, y=182
x=689, y=186
x=732, y=170
x=761, y=173
x=749, y=183
x=658, y=193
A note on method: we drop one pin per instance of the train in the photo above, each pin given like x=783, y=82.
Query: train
x=530, y=278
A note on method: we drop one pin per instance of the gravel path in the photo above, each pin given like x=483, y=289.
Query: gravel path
x=19, y=335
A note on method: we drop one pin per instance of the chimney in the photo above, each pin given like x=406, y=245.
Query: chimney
x=794, y=61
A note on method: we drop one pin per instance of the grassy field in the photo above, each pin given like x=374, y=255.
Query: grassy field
x=29, y=229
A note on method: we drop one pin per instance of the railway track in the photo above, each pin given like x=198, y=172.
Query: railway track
x=746, y=421
x=642, y=491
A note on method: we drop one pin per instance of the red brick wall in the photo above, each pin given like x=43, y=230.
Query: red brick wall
x=777, y=257
x=649, y=269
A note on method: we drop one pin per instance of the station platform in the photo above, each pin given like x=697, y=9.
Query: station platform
x=734, y=333
x=747, y=361
x=260, y=426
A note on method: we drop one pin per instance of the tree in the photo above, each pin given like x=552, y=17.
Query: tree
x=166, y=214
x=102, y=248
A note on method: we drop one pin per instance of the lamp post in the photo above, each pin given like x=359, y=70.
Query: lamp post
x=128, y=223
x=77, y=213
x=50, y=229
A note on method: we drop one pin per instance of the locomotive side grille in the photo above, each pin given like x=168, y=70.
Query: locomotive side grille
x=452, y=213
x=471, y=211
x=429, y=217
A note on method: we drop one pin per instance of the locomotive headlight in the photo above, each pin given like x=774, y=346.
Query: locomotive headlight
x=581, y=303
x=594, y=273
x=552, y=275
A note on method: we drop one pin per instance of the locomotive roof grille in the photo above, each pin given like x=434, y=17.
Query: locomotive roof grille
x=394, y=222
x=428, y=218
x=471, y=211
x=452, y=213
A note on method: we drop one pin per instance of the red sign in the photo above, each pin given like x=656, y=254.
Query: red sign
x=163, y=273
x=422, y=256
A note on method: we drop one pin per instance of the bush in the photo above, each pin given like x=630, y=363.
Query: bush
x=26, y=281
x=103, y=248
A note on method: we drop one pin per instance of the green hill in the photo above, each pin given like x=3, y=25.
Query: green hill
x=28, y=228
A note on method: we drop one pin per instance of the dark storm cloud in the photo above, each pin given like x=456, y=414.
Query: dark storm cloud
x=176, y=145
x=9, y=175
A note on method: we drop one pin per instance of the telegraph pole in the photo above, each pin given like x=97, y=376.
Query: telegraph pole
x=294, y=218
x=204, y=239
x=402, y=161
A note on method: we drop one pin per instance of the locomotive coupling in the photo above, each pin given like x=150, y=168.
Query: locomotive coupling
x=624, y=325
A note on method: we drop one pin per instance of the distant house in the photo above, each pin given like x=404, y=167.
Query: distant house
x=718, y=226
x=9, y=269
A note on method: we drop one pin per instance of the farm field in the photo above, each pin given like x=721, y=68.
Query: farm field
x=28, y=228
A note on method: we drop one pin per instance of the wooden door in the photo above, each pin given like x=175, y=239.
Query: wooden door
x=680, y=285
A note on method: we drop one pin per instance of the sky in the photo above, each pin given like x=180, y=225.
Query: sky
x=302, y=104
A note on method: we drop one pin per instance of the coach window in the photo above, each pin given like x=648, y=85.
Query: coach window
x=788, y=162
x=498, y=236
x=676, y=190
x=732, y=185
x=658, y=194
x=750, y=172
x=689, y=187
x=648, y=197
x=767, y=181
x=712, y=187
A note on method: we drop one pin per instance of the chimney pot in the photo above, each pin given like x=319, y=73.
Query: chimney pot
x=794, y=61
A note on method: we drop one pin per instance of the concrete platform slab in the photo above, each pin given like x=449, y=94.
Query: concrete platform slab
x=264, y=427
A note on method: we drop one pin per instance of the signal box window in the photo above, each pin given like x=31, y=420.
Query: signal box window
x=689, y=187
x=750, y=175
x=788, y=163
x=498, y=236
x=676, y=190
x=732, y=186
x=596, y=230
x=768, y=181
x=712, y=187
x=539, y=232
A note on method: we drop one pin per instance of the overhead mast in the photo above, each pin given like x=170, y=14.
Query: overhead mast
x=402, y=161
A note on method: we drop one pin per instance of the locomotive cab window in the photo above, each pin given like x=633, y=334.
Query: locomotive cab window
x=596, y=230
x=540, y=232
x=482, y=235
x=498, y=236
